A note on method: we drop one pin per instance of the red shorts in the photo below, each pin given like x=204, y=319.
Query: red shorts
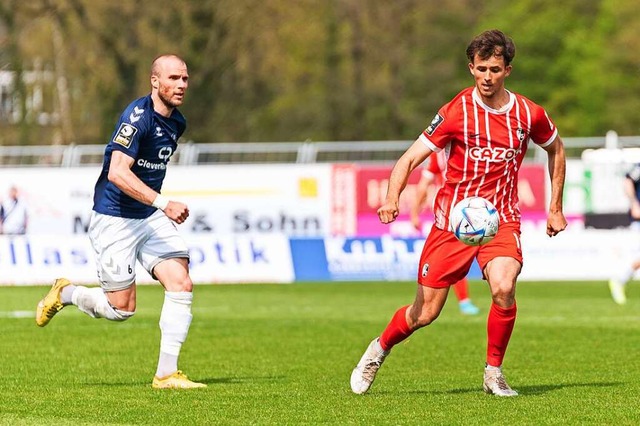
x=445, y=260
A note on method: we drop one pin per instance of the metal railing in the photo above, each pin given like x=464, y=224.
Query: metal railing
x=190, y=153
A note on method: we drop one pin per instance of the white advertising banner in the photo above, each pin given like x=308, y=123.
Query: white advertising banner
x=577, y=254
x=240, y=199
x=290, y=199
x=58, y=200
x=572, y=255
x=33, y=259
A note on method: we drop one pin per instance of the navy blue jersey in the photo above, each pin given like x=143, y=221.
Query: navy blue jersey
x=634, y=176
x=150, y=139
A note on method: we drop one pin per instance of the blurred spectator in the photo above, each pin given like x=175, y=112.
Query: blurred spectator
x=13, y=214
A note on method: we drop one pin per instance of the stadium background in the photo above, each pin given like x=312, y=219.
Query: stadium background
x=297, y=110
x=296, y=113
x=280, y=222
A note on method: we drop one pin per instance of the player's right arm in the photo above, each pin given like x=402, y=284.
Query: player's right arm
x=121, y=175
x=412, y=158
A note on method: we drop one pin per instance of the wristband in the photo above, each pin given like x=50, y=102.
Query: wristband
x=161, y=202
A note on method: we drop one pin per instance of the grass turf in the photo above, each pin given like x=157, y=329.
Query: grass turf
x=282, y=354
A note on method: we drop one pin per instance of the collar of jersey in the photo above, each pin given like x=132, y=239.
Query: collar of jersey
x=506, y=108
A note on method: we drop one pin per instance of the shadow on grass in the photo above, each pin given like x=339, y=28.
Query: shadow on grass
x=206, y=380
x=237, y=380
x=522, y=390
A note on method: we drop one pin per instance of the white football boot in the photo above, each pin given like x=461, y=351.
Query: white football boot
x=496, y=384
x=365, y=372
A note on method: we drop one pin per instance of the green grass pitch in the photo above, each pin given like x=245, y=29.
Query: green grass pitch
x=282, y=354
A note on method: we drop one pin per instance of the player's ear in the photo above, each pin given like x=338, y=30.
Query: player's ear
x=154, y=81
x=507, y=70
x=471, y=67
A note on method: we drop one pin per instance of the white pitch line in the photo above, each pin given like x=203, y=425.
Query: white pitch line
x=17, y=314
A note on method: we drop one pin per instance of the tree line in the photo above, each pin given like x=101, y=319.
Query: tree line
x=293, y=70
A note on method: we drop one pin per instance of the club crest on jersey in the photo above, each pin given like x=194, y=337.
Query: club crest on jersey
x=425, y=269
x=520, y=134
x=125, y=134
x=437, y=120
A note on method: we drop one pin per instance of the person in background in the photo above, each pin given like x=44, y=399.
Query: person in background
x=485, y=131
x=431, y=179
x=131, y=221
x=14, y=217
x=618, y=283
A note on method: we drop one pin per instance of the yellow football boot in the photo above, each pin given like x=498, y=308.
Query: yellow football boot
x=177, y=380
x=51, y=304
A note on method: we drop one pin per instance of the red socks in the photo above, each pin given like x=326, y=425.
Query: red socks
x=397, y=330
x=461, y=288
x=499, y=327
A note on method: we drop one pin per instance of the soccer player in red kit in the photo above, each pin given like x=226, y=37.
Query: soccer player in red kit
x=431, y=179
x=484, y=132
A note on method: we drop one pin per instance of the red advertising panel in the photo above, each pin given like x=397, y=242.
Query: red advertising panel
x=371, y=188
x=343, y=203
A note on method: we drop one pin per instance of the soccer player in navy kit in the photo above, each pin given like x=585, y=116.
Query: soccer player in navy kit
x=132, y=221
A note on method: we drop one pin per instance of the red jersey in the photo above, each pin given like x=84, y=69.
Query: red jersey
x=484, y=148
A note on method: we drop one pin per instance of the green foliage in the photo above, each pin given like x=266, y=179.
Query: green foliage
x=282, y=354
x=278, y=70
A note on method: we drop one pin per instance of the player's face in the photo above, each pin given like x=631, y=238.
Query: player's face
x=172, y=82
x=489, y=75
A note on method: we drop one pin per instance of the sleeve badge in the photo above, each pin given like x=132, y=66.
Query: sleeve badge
x=437, y=120
x=124, y=135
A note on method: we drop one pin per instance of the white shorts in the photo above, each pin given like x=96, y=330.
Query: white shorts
x=118, y=242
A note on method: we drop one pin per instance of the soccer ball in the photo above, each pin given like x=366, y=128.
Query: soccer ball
x=474, y=221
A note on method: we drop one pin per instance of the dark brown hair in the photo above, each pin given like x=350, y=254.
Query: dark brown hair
x=492, y=43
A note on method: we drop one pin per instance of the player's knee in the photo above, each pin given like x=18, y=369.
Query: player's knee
x=180, y=285
x=186, y=285
x=120, y=315
x=503, y=292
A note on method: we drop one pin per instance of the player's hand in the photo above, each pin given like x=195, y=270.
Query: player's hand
x=388, y=212
x=635, y=210
x=177, y=211
x=556, y=223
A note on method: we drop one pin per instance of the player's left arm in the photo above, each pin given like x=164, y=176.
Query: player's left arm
x=556, y=222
